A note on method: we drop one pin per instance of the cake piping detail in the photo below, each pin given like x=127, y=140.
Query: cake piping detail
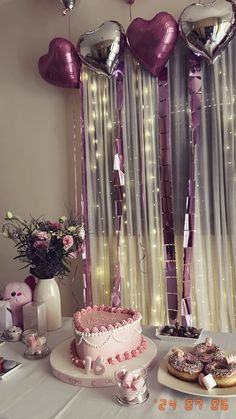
x=83, y=337
x=80, y=363
x=132, y=317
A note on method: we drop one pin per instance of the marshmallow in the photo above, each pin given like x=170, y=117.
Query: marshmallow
x=138, y=383
x=209, y=381
x=128, y=378
x=200, y=379
x=208, y=341
x=231, y=359
x=129, y=394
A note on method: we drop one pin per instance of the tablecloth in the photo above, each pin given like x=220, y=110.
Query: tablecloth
x=32, y=392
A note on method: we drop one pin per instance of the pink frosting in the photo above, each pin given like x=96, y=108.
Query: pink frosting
x=98, y=319
x=80, y=363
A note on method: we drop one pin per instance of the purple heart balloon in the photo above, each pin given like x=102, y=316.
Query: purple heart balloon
x=152, y=41
x=61, y=65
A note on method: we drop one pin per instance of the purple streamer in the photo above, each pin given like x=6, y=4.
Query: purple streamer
x=118, y=183
x=195, y=107
x=166, y=201
x=87, y=289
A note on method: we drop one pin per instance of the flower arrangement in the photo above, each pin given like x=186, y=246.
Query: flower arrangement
x=45, y=246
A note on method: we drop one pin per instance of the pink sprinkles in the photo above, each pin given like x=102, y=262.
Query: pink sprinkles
x=183, y=364
x=207, y=354
x=220, y=369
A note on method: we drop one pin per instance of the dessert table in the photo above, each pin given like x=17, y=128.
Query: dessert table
x=32, y=392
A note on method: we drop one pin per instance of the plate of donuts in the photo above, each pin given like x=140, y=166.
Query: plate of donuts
x=171, y=376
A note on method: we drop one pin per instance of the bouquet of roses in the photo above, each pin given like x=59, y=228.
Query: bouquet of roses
x=45, y=246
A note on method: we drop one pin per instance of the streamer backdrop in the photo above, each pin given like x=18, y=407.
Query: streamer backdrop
x=141, y=239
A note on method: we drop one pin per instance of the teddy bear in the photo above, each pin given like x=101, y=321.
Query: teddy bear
x=17, y=294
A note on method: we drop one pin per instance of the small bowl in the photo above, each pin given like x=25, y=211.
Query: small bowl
x=177, y=339
x=13, y=334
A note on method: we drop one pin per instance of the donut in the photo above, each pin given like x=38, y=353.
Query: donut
x=224, y=373
x=184, y=366
x=208, y=352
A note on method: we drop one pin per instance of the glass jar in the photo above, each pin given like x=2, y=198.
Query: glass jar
x=36, y=346
x=132, y=388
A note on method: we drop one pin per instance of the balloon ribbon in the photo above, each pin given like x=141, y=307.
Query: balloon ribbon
x=195, y=121
x=118, y=183
x=166, y=200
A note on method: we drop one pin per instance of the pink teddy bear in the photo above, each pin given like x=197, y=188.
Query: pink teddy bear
x=18, y=294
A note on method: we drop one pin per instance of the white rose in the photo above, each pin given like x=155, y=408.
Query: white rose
x=71, y=229
x=82, y=233
x=9, y=215
x=62, y=219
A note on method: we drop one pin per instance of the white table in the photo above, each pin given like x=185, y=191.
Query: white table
x=33, y=392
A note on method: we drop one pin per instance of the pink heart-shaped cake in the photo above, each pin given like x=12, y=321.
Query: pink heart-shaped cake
x=152, y=41
x=61, y=65
x=109, y=333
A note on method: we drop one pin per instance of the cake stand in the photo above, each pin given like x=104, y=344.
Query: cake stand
x=63, y=368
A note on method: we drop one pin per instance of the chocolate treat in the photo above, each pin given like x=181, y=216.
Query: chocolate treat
x=181, y=331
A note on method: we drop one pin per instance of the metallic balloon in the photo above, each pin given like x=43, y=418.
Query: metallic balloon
x=61, y=65
x=208, y=27
x=152, y=41
x=68, y=5
x=102, y=48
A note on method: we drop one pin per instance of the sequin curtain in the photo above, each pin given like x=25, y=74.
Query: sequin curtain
x=214, y=276
x=99, y=126
x=214, y=255
x=140, y=249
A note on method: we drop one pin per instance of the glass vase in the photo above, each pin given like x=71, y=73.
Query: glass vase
x=47, y=290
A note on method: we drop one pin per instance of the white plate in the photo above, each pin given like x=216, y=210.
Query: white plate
x=63, y=368
x=176, y=339
x=164, y=378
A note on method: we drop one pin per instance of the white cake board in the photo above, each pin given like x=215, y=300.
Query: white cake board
x=63, y=368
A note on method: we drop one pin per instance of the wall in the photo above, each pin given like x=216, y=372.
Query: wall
x=36, y=133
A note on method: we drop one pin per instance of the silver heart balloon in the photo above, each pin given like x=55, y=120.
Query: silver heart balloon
x=68, y=5
x=207, y=27
x=102, y=48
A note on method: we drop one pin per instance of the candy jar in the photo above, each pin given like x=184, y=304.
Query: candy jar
x=36, y=346
x=131, y=384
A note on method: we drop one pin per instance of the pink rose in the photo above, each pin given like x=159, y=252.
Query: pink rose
x=68, y=241
x=40, y=244
x=54, y=226
x=81, y=248
x=41, y=235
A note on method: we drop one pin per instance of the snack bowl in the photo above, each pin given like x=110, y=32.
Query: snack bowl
x=191, y=339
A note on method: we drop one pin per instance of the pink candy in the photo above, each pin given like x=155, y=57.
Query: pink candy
x=128, y=378
x=138, y=383
x=132, y=385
